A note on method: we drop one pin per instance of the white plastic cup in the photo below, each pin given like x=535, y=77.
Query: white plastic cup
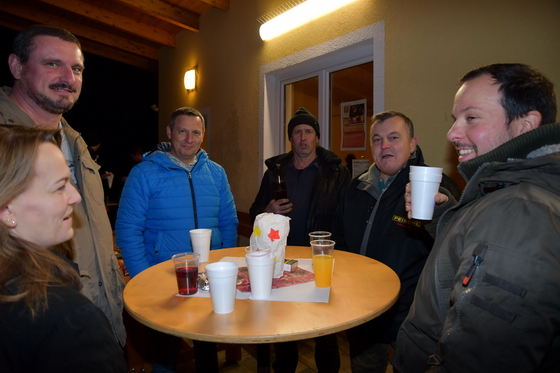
x=257, y=253
x=261, y=269
x=200, y=240
x=423, y=170
x=222, y=277
x=424, y=185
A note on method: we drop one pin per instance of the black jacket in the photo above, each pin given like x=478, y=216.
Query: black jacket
x=402, y=244
x=331, y=179
x=71, y=335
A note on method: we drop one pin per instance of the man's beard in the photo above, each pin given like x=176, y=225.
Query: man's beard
x=49, y=105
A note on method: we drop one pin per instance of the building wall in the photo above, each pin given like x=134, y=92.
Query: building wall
x=429, y=45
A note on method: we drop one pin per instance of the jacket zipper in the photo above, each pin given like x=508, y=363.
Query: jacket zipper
x=478, y=257
x=193, y=201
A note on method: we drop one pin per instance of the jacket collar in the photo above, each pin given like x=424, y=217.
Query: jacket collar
x=372, y=175
x=517, y=148
x=158, y=155
x=323, y=154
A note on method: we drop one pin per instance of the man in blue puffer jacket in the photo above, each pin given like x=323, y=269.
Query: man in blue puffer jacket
x=174, y=189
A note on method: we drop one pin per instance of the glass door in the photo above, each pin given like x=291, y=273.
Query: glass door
x=351, y=108
x=302, y=93
x=347, y=95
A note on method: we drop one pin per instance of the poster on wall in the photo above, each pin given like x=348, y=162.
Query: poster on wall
x=353, y=117
x=359, y=166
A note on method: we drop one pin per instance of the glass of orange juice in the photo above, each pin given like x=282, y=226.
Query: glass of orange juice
x=323, y=261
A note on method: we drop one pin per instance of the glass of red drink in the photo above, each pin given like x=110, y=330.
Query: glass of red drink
x=186, y=269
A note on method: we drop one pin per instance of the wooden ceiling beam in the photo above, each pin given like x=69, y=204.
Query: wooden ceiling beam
x=166, y=12
x=92, y=47
x=116, y=21
x=119, y=55
x=220, y=4
x=81, y=30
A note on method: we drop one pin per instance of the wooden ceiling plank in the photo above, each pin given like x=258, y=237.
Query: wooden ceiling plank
x=95, y=48
x=115, y=20
x=80, y=30
x=166, y=12
x=220, y=4
x=119, y=55
x=8, y=23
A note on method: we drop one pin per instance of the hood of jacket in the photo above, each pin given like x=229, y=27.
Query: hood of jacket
x=159, y=156
x=518, y=148
x=532, y=158
x=371, y=176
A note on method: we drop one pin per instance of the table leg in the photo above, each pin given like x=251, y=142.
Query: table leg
x=263, y=358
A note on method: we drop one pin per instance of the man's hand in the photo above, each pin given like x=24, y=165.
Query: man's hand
x=280, y=206
x=439, y=199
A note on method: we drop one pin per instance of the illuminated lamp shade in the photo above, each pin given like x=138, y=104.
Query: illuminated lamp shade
x=190, y=79
x=299, y=15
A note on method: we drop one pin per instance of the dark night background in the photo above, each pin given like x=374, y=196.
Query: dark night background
x=116, y=102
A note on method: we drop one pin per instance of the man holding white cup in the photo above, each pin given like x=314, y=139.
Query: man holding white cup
x=487, y=298
x=371, y=220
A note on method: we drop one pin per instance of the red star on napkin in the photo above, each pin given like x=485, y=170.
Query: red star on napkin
x=274, y=235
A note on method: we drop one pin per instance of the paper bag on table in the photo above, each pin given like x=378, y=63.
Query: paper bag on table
x=270, y=231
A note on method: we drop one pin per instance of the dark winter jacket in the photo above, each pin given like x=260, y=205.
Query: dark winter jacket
x=331, y=178
x=375, y=224
x=71, y=335
x=489, y=297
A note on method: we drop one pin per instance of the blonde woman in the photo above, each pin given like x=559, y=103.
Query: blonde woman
x=46, y=324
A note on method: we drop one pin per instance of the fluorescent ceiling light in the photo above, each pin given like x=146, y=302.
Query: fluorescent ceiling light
x=299, y=15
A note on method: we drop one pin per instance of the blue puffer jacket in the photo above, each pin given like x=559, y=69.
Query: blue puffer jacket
x=161, y=202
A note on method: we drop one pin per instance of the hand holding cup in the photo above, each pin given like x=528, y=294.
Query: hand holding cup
x=424, y=188
x=439, y=199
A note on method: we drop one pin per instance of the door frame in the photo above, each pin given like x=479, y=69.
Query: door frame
x=363, y=45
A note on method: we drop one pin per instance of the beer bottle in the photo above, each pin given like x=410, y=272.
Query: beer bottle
x=279, y=186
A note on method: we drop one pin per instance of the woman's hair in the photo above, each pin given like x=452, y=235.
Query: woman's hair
x=25, y=268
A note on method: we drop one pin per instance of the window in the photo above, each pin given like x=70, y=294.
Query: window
x=294, y=78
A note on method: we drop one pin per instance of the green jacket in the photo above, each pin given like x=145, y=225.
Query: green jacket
x=488, y=299
x=102, y=280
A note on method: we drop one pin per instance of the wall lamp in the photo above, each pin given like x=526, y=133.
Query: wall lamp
x=190, y=80
x=282, y=20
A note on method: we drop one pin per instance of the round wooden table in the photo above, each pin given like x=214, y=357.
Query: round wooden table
x=362, y=289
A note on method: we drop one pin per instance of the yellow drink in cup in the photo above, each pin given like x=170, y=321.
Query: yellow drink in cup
x=323, y=267
x=323, y=251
